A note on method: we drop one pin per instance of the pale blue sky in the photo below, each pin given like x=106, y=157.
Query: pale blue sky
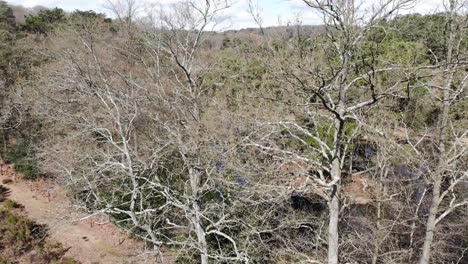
x=274, y=11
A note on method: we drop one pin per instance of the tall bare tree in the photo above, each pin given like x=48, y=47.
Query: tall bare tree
x=451, y=148
x=153, y=150
x=332, y=96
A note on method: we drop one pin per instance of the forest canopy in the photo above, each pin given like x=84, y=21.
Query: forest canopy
x=344, y=142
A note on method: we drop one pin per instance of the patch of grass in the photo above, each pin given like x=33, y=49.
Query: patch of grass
x=10, y=204
x=29, y=169
x=22, y=155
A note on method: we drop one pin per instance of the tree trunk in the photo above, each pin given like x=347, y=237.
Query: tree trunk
x=431, y=222
x=201, y=236
x=334, y=207
x=195, y=218
x=334, y=214
x=378, y=240
x=334, y=203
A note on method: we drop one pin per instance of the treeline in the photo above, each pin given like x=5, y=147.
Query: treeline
x=341, y=143
x=19, y=57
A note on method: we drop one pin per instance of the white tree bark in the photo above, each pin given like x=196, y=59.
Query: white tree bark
x=443, y=166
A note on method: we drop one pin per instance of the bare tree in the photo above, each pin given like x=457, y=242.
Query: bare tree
x=125, y=10
x=152, y=148
x=326, y=102
x=256, y=12
x=256, y=160
x=180, y=38
x=450, y=145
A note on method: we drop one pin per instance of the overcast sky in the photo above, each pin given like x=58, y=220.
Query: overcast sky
x=274, y=11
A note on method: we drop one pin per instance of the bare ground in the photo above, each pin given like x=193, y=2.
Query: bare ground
x=89, y=239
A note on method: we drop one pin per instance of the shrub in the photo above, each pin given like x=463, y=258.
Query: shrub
x=21, y=235
x=29, y=169
x=22, y=155
x=4, y=260
x=44, y=21
x=10, y=204
x=17, y=231
x=51, y=252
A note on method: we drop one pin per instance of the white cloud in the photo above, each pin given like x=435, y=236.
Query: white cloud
x=65, y=4
x=273, y=10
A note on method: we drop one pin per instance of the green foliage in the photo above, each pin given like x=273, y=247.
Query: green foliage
x=16, y=55
x=405, y=53
x=386, y=48
x=235, y=68
x=86, y=19
x=22, y=235
x=22, y=156
x=10, y=204
x=238, y=73
x=429, y=30
x=418, y=111
x=7, y=37
x=16, y=230
x=4, y=260
x=326, y=133
x=7, y=18
x=44, y=21
x=29, y=169
x=459, y=114
x=86, y=16
x=242, y=72
x=17, y=152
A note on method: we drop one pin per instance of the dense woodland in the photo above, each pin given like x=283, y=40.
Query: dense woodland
x=338, y=143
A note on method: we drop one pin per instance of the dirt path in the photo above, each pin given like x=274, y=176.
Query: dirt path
x=92, y=240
